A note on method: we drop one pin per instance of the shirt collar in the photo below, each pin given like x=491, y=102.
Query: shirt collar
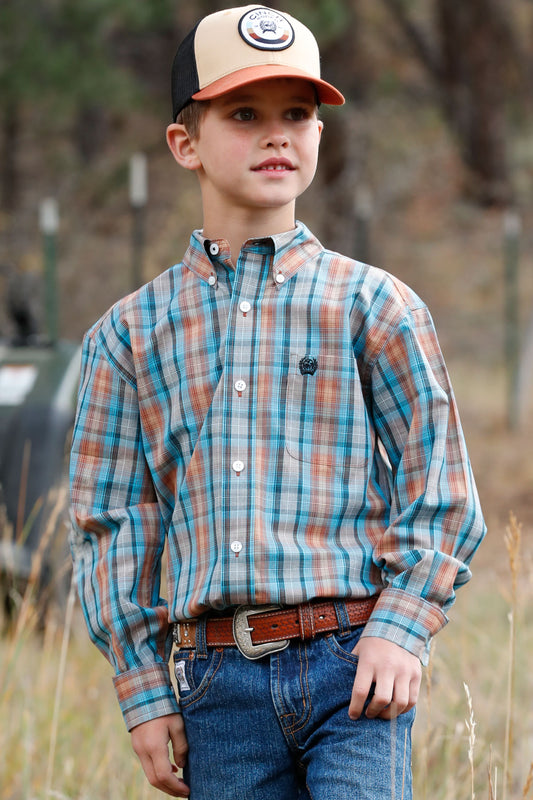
x=290, y=250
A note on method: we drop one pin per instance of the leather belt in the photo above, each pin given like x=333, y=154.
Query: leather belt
x=260, y=630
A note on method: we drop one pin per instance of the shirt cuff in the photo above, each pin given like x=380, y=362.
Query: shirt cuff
x=145, y=693
x=406, y=620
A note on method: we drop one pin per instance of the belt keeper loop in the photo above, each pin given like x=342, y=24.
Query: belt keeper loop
x=342, y=617
x=201, y=637
x=307, y=621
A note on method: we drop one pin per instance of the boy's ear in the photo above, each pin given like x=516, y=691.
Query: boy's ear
x=182, y=146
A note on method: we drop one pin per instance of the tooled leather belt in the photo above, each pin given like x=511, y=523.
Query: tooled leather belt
x=260, y=630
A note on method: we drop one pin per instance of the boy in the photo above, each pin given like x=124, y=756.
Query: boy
x=281, y=417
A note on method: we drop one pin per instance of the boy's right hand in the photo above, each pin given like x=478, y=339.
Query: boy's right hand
x=150, y=743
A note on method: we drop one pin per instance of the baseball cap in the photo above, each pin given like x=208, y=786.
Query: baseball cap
x=236, y=46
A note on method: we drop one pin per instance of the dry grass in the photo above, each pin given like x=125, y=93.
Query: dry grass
x=481, y=746
x=62, y=734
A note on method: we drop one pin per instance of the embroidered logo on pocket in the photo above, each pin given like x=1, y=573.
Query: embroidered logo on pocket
x=308, y=365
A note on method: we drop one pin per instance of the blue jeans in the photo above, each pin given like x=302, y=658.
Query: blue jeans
x=278, y=728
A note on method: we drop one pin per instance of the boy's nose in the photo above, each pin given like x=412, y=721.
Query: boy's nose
x=276, y=137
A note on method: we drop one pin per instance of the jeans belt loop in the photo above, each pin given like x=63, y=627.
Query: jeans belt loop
x=307, y=621
x=201, y=638
x=342, y=617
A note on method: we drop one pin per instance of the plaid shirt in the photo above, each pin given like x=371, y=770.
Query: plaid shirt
x=288, y=429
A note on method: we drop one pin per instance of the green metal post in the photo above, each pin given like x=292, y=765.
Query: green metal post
x=49, y=223
x=512, y=231
x=138, y=199
x=363, y=210
x=50, y=260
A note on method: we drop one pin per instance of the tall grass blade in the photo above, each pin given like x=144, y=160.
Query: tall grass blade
x=528, y=784
x=471, y=727
x=59, y=686
x=512, y=543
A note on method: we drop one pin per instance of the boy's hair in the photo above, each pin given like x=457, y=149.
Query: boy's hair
x=238, y=46
x=191, y=116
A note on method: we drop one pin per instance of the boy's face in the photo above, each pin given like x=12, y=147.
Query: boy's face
x=257, y=148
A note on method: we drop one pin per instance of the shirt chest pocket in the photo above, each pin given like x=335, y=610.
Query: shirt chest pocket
x=325, y=415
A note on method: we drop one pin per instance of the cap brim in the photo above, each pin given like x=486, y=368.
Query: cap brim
x=326, y=92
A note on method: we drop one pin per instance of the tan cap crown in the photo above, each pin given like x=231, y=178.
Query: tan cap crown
x=237, y=46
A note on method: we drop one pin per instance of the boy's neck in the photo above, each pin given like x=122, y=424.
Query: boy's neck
x=237, y=228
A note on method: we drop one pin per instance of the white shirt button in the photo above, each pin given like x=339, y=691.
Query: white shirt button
x=214, y=249
x=280, y=278
x=245, y=306
x=238, y=466
x=211, y=280
x=240, y=386
x=236, y=547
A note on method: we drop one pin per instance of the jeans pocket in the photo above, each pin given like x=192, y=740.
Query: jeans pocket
x=194, y=675
x=341, y=645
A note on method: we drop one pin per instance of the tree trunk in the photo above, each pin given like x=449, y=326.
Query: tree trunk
x=8, y=170
x=90, y=131
x=474, y=93
x=345, y=142
x=469, y=65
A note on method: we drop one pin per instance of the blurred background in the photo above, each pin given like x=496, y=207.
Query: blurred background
x=427, y=171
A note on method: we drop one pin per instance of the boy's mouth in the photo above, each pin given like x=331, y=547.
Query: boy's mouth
x=274, y=165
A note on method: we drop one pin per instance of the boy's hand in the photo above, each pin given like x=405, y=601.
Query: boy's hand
x=396, y=674
x=150, y=743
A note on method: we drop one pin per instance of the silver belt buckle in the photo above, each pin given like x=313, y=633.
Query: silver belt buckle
x=242, y=630
x=181, y=635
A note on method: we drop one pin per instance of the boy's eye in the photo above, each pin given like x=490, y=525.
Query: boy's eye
x=243, y=114
x=298, y=114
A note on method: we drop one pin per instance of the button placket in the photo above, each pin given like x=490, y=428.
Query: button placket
x=240, y=385
x=249, y=278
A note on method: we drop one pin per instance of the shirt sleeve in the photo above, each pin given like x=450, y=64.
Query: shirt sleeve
x=435, y=523
x=117, y=537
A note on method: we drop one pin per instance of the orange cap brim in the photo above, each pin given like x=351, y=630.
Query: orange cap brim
x=326, y=92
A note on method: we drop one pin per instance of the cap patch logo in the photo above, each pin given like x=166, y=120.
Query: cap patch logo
x=266, y=29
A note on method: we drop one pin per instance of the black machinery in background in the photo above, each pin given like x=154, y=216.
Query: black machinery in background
x=39, y=375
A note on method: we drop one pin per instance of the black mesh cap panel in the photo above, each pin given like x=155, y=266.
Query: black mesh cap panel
x=184, y=82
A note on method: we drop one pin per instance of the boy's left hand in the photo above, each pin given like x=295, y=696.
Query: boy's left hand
x=395, y=673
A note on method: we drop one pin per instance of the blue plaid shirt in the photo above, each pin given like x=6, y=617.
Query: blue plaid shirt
x=288, y=430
